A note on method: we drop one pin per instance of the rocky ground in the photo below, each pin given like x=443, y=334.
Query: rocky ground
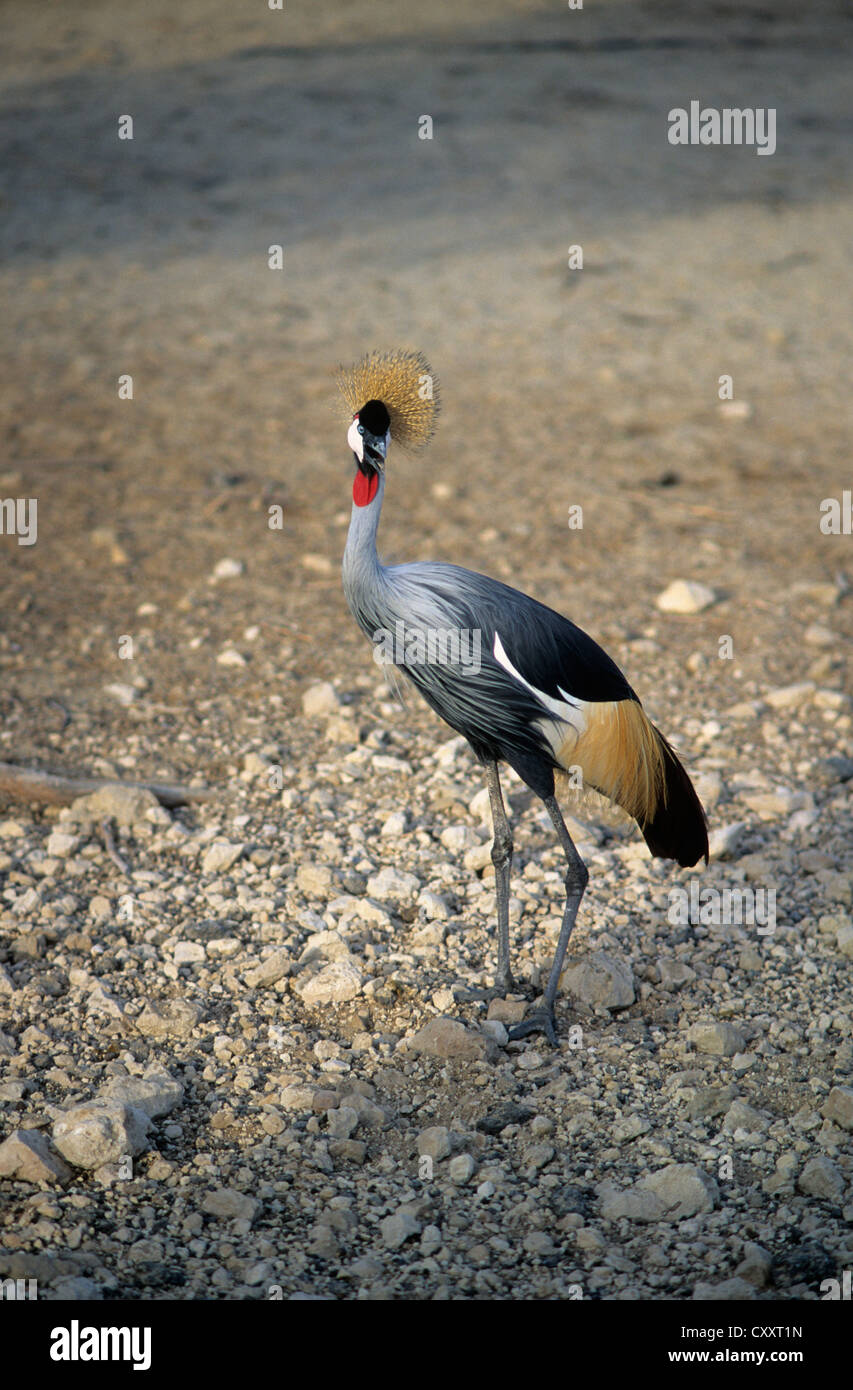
x=244, y=1045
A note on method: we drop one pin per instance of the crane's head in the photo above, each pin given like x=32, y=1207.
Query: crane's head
x=369, y=436
x=392, y=395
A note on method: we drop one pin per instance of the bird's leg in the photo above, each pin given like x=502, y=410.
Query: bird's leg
x=502, y=860
x=577, y=876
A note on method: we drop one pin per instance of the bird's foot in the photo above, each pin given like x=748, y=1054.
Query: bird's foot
x=540, y=1021
x=504, y=985
x=488, y=995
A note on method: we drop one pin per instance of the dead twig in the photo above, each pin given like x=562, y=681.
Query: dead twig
x=57, y=704
x=288, y=628
x=50, y=789
x=110, y=847
x=211, y=507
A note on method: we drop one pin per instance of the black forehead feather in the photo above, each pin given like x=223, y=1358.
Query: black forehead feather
x=375, y=418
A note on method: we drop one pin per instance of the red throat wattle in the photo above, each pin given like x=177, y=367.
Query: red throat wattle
x=364, y=489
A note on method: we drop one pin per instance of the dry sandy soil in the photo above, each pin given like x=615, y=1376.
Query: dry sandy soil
x=595, y=387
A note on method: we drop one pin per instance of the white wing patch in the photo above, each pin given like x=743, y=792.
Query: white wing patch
x=568, y=710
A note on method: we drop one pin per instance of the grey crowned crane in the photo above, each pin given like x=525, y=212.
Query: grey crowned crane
x=542, y=697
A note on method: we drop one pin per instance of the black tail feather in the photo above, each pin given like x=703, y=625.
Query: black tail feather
x=678, y=829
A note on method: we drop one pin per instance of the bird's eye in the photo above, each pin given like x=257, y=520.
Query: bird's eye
x=361, y=429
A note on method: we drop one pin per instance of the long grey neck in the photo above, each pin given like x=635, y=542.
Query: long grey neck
x=363, y=575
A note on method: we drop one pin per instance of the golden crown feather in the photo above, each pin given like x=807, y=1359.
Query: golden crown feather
x=407, y=387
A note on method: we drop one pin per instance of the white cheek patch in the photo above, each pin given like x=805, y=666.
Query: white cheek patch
x=355, y=440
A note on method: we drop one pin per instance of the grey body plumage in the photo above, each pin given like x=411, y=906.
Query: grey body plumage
x=496, y=714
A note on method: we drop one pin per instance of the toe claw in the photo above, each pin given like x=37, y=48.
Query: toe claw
x=540, y=1021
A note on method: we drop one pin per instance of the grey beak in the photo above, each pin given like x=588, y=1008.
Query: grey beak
x=374, y=451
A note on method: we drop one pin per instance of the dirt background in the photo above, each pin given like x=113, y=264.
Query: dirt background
x=560, y=387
